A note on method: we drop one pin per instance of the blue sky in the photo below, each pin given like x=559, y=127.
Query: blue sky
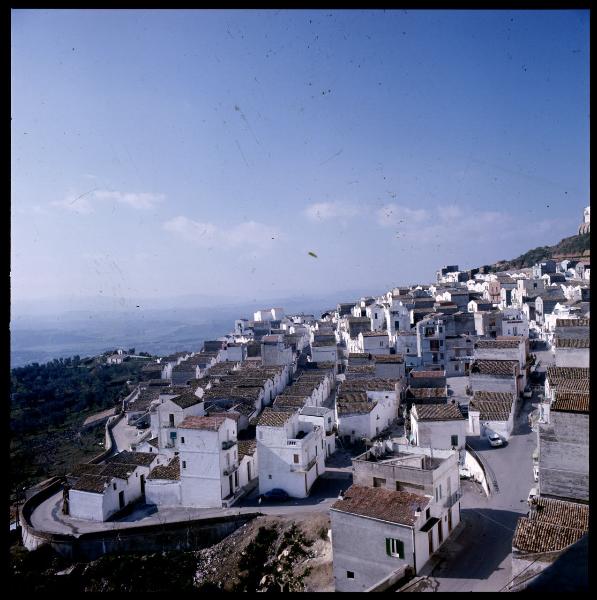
x=158, y=153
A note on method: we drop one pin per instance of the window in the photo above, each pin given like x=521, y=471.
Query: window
x=379, y=482
x=171, y=420
x=114, y=485
x=395, y=547
x=184, y=464
x=349, y=574
x=182, y=440
x=173, y=435
x=295, y=458
x=428, y=513
x=269, y=476
x=454, y=440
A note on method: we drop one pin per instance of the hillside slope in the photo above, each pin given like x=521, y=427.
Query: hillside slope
x=575, y=246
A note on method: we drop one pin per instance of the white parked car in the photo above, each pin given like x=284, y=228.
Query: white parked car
x=495, y=440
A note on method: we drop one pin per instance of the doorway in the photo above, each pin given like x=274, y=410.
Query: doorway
x=430, y=538
x=142, y=485
x=449, y=520
x=440, y=531
x=121, y=499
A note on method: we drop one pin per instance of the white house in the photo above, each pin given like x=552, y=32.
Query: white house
x=365, y=414
x=402, y=507
x=248, y=466
x=275, y=351
x=209, y=461
x=169, y=413
x=326, y=351
x=492, y=412
x=572, y=352
x=374, y=342
x=438, y=426
x=514, y=322
x=96, y=492
x=290, y=452
x=326, y=419
x=163, y=486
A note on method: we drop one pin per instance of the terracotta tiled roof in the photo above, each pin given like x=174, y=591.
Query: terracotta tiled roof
x=273, y=418
x=369, y=385
x=490, y=411
x=492, y=406
x=142, y=459
x=374, y=334
x=360, y=369
x=246, y=448
x=570, y=402
x=425, y=374
x=351, y=396
x=186, y=400
x=494, y=397
x=572, y=342
x=389, y=358
x=534, y=536
x=381, y=503
x=170, y=471
x=203, y=423
x=497, y=344
x=572, y=386
x=118, y=469
x=494, y=367
x=292, y=401
x=358, y=355
x=86, y=469
x=573, y=322
x=424, y=392
x=91, y=483
x=567, y=373
x=561, y=512
x=235, y=416
x=353, y=408
x=437, y=412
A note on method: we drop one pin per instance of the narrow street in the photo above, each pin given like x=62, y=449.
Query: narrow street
x=478, y=559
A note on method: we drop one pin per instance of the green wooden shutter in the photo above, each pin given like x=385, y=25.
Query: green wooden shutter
x=388, y=552
x=400, y=546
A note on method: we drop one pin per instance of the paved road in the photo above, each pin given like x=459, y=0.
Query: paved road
x=48, y=516
x=479, y=558
x=125, y=435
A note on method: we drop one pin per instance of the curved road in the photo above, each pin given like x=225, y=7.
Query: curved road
x=478, y=558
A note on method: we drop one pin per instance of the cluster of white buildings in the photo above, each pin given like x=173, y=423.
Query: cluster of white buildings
x=264, y=406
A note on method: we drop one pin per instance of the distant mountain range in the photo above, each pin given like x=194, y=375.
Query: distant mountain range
x=575, y=246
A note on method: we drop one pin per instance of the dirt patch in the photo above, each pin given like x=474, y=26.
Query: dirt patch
x=270, y=554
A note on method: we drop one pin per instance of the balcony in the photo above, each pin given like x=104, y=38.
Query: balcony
x=452, y=499
x=226, y=445
x=304, y=468
x=230, y=470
